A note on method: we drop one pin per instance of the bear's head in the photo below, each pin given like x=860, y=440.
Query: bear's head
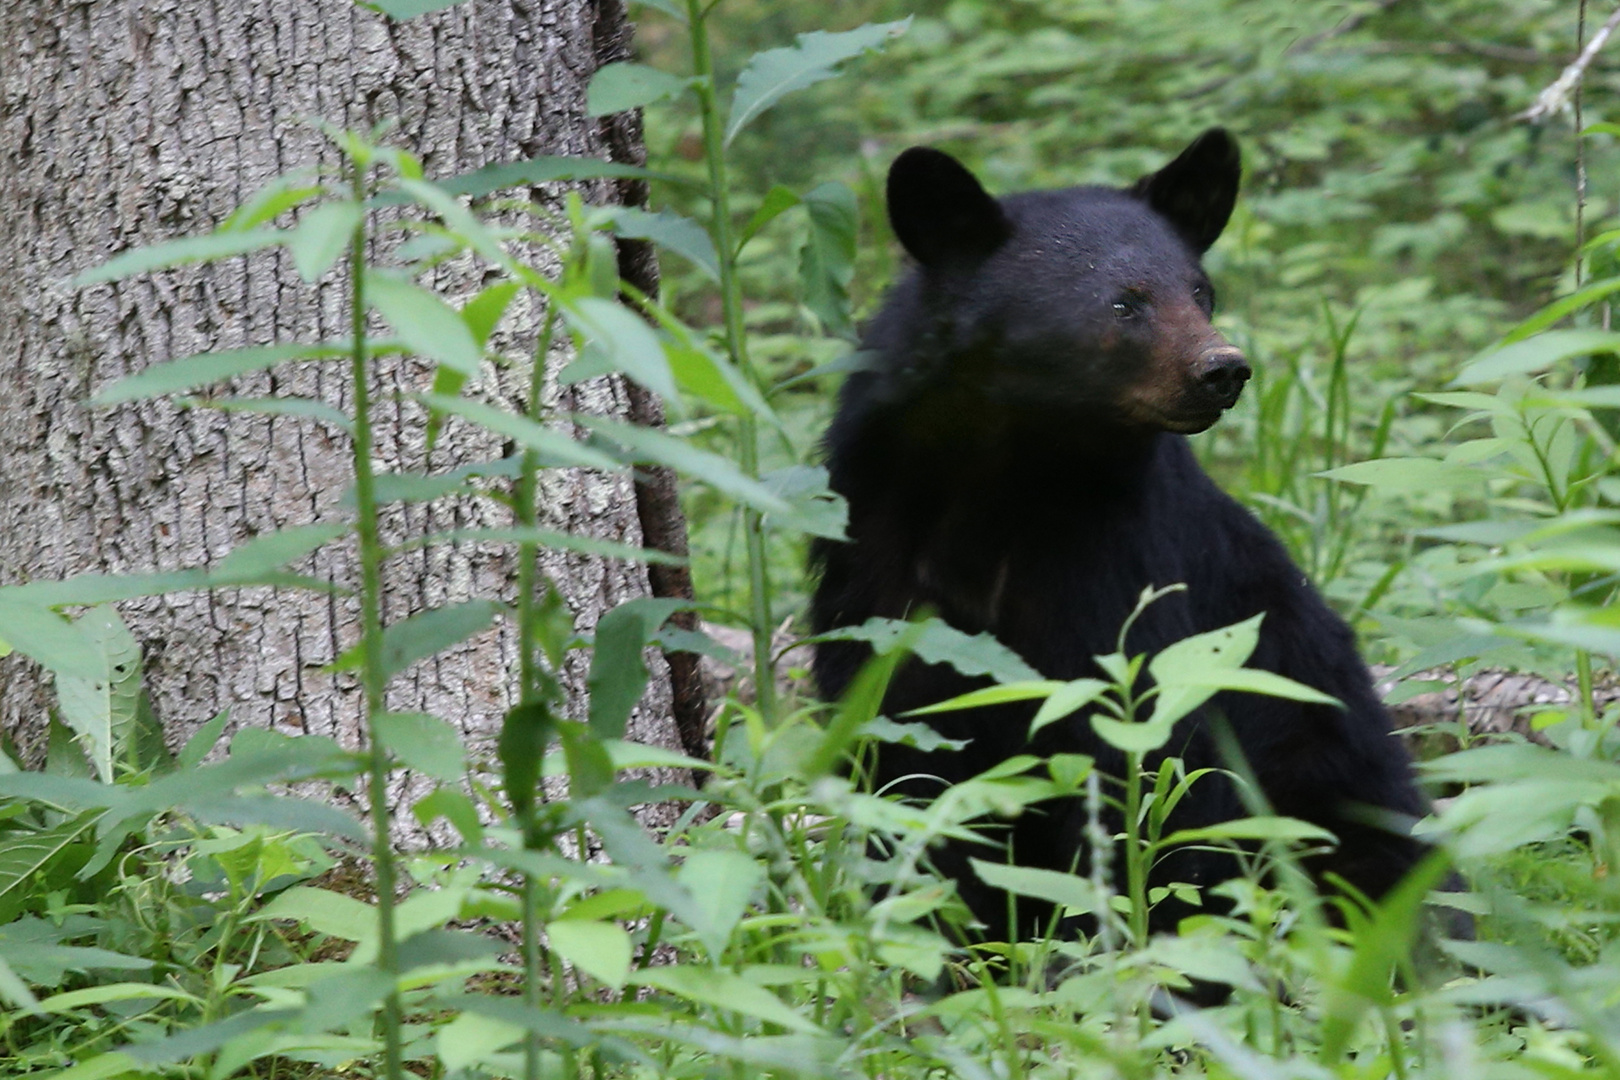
x=1088, y=301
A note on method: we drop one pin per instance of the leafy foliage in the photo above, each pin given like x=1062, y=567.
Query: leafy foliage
x=217, y=912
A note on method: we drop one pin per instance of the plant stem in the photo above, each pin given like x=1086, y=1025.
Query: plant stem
x=373, y=677
x=527, y=514
x=714, y=151
x=530, y=692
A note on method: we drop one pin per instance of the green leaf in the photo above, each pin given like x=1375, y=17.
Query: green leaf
x=627, y=342
x=622, y=85
x=1071, y=891
x=827, y=260
x=723, y=883
x=254, y=562
x=189, y=249
x=24, y=854
x=618, y=671
x=670, y=230
x=422, y=742
x=520, y=748
x=557, y=541
x=1001, y=694
x=100, y=995
x=554, y=447
x=322, y=235
x=648, y=446
x=723, y=990
x=271, y=201
x=1537, y=353
x=599, y=949
x=817, y=508
x=425, y=634
x=307, y=408
x=428, y=326
x=1067, y=699
x=939, y=643
x=775, y=73
x=203, y=369
x=483, y=312
x=49, y=640
x=418, y=487
x=102, y=708
x=543, y=170
x=1253, y=828
x=408, y=9
x=1406, y=475
x=777, y=201
x=323, y=911
x=201, y=742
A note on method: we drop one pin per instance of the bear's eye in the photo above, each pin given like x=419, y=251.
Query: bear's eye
x=1204, y=297
x=1128, y=305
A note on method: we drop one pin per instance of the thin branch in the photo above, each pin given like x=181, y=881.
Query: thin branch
x=1556, y=98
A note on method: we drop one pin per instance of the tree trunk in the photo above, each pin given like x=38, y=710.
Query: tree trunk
x=129, y=121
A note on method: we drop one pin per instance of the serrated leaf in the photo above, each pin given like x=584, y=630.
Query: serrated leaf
x=189, y=249
x=102, y=708
x=599, y=949
x=624, y=85
x=422, y=742
x=920, y=736
x=554, y=447
x=936, y=642
x=428, y=326
x=204, y=369
x=775, y=73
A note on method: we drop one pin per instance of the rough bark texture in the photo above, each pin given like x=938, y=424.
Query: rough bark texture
x=663, y=525
x=128, y=121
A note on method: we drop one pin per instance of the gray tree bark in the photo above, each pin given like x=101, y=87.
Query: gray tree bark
x=124, y=122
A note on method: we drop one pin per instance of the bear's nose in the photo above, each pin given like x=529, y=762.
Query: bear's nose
x=1221, y=375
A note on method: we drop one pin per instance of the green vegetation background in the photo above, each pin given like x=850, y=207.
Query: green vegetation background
x=1394, y=214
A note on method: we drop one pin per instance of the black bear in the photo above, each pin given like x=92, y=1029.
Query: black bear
x=1015, y=460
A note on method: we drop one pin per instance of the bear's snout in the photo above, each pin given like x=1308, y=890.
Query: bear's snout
x=1221, y=374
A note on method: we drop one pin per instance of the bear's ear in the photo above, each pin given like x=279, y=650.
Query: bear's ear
x=1197, y=191
x=939, y=210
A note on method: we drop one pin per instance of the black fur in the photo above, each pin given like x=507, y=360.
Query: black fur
x=1014, y=460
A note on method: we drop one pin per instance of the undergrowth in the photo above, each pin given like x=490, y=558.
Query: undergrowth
x=214, y=912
